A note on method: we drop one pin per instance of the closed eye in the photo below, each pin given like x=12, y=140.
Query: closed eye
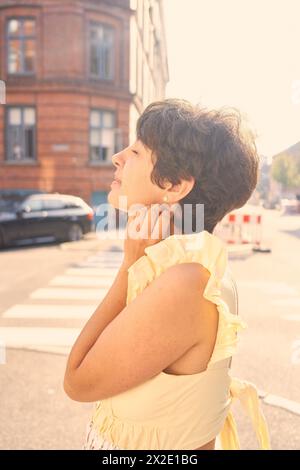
x=134, y=151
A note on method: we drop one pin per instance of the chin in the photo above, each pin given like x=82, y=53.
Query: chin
x=113, y=199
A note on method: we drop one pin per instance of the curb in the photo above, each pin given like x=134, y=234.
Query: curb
x=235, y=251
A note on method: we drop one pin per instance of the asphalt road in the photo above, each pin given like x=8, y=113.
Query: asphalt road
x=48, y=292
x=269, y=350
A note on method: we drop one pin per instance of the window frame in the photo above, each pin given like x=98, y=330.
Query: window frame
x=92, y=24
x=24, y=160
x=22, y=39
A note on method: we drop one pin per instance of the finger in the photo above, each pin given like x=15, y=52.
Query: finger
x=135, y=221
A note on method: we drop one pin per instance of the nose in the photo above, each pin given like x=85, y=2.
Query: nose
x=118, y=159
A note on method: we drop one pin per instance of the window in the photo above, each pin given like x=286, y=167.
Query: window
x=101, y=51
x=140, y=13
x=139, y=70
x=73, y=205
x=53, y=204
x=20, y=133
x=21, y=46
x=104, y=138
x=32, y=205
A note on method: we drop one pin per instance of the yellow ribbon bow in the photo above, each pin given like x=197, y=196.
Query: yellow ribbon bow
x=247, y=394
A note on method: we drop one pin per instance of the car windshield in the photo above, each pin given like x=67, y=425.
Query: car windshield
x=8, y=205
x=10, y=201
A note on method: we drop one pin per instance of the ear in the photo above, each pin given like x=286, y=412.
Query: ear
x=180, y=190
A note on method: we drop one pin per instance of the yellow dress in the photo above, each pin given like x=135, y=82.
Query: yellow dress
x=181, y=412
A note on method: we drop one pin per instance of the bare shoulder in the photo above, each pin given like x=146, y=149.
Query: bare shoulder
x=193, y=275
x=180, y=291
x=190, y=280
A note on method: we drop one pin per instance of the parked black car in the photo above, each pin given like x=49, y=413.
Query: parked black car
x=46, y=217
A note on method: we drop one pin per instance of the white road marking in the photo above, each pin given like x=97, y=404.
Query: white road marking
x=105, y=258
x=270, y=287
x=109, y=269
x=280, y=402
x=68, y=294
x=50, y=311
x=105, y=265
x=81, y=281
x=287, y=302
x=291, y=317
x=109, y=265
x=2, y=352
x=104, y=272
x=86, y=281
x=33, y=337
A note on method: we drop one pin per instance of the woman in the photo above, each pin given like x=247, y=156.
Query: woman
x=155, y=355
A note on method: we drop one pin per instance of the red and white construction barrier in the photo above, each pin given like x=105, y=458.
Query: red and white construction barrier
x=242, y=227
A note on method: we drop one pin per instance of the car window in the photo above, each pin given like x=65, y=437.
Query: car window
x=73, y=205
x=53, y=204
x=33, y=205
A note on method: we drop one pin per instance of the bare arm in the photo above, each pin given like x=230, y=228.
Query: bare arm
x=150, y=333
x=112, y=304
x=114, y=301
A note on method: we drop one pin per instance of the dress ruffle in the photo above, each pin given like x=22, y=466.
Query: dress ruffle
x=106, y=431
x=206, y=249
x=122, y=434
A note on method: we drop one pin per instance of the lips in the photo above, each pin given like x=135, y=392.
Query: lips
x=116, y=182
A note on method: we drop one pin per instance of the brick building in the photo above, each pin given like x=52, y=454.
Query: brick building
x=78, y=73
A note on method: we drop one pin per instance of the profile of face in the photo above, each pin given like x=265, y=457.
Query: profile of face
x=134, y=166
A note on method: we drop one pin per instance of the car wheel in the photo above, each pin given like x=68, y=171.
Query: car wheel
x=75, y=233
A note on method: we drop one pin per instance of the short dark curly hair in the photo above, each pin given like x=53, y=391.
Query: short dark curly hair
x=210, y=145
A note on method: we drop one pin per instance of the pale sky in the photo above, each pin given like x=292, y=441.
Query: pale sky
x=241, y=53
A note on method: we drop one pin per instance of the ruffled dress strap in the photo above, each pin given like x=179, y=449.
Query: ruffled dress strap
x=247, y=394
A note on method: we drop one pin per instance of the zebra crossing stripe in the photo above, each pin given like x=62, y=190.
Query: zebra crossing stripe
x=46, y=293
x=50, y=311
x=291, y=302
x=81, y=281
x=33, y=337
x=291, y=317
x=104, y=272
x=107, y=269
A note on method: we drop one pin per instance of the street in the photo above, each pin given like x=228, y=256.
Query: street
x=268, y=354
x=48, y=293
